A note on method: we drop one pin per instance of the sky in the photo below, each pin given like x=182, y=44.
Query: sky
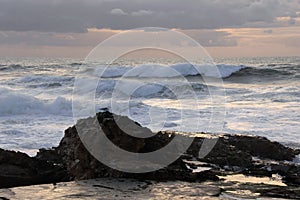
x=226, y=28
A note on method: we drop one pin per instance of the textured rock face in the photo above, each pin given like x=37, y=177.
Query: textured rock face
x=233, y=152
x=17, y=169
x=262, y=147
x=82, y=165
x=71, y=160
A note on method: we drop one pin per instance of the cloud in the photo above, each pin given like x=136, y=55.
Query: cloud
x=118, y=11
x=208, y=38
x=142, y=13
x=269, y=31
x=78, y=16
x=212, y=38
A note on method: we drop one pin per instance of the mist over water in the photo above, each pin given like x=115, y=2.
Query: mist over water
x=262, y=94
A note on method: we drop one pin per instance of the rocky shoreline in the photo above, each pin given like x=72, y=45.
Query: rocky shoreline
x=232, y=155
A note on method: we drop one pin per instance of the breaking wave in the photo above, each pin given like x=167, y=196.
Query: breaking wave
x=144, y=71
x=15, y=103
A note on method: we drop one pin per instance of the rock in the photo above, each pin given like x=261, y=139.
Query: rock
x=118, y=189
x=262, y=147
x=281, y=193
x=18, y=169
x=234, y=152
x=108, y=188
x=50, y=156
x=292, y=176
x=71, y=160
x=226, y=154
x=82, y=165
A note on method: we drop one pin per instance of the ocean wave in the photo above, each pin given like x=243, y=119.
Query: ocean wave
x=185, y=70
x=163, y=71
x=38, y=66
x=42, y=81
x=15, y=103
x=75, y=64
x=10, y=67
x=147, y=90
x=45, y=85
x=264, y=72
x=45, y=78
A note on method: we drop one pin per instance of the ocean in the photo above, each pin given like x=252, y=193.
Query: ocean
x=262, y=98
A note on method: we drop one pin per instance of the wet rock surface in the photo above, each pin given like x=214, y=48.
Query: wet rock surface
x=18, y=169
x=114, y=189
x=251, y=156
x=108, y=188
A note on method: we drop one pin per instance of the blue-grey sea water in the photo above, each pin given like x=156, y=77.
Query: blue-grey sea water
x=262, y=98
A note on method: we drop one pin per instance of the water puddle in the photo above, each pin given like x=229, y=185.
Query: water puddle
x=274, y=180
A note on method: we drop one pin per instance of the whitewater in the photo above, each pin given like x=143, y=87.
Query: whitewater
x=262, y=97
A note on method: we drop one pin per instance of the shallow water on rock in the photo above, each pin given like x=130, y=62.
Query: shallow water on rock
x=240, y=178
x=132, y=189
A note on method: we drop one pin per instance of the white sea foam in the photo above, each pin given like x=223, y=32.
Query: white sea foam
x=228, y=70
x=218, y=71
x=297, y=159
x=15, y=103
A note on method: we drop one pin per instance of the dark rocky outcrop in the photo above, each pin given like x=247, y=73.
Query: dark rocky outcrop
x=235, y=153
x=263, y=148
x=18, y=169
x=71, y=160
x=82, y=165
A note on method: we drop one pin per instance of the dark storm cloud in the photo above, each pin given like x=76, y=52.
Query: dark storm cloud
x=78, y=15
